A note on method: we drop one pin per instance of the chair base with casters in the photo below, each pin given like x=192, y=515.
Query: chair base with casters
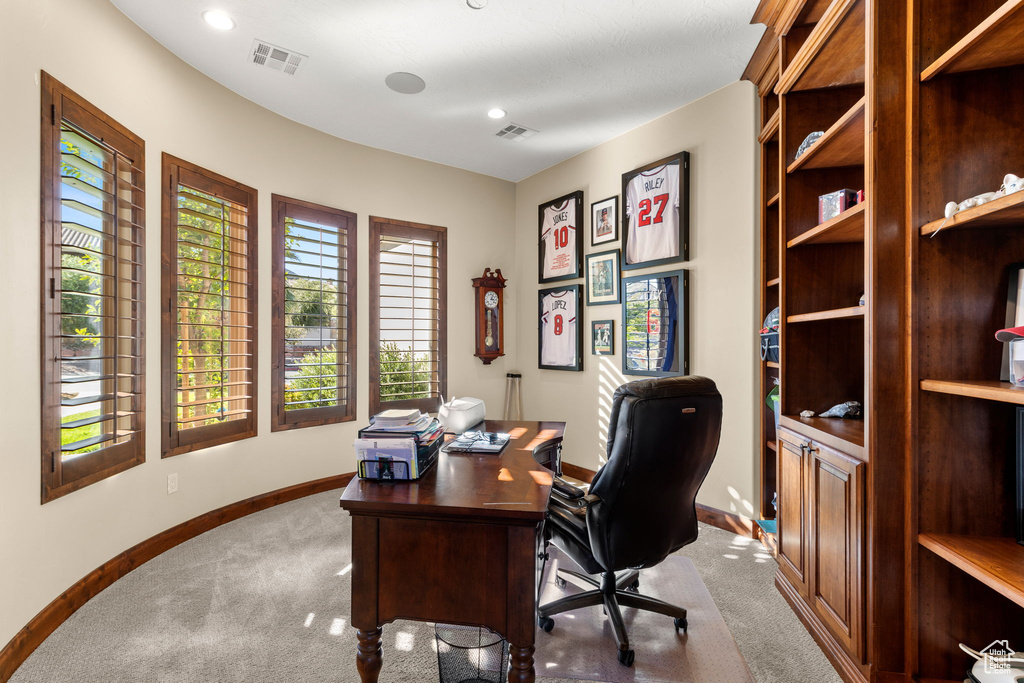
x=613, y=591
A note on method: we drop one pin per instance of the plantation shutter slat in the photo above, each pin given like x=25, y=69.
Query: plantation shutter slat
x=210, y=291
x=408, y=366
x=313, y=302
x=93, y=292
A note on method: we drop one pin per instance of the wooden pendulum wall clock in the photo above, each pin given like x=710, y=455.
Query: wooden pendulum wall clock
x=490, y=327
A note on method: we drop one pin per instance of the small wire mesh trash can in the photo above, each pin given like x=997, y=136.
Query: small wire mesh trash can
x=469, y=654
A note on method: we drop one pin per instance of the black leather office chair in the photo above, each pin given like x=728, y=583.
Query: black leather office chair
x=662, y=439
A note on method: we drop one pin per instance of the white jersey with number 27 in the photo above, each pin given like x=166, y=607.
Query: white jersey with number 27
x=558, y=329
x=558, y=233
x=652, y=204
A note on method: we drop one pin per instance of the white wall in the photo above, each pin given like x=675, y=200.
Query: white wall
x=719, y=133
x=44, y=549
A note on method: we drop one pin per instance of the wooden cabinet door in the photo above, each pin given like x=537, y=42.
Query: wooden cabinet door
x=836, y=544
x=792, y=509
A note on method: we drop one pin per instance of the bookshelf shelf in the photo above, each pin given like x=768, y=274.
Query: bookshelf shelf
x=1008, y=210
x=833, y=53
x=841, y=145
x=847, y=227
x=995, y=561
x=995, y=42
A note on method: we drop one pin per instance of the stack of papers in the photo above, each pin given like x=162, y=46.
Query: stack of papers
x=478, y=442
x=390, y=419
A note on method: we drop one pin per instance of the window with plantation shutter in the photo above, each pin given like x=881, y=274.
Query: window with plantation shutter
x=408, y=315
x=209, y=298
x=314, y=298
x=93, y=234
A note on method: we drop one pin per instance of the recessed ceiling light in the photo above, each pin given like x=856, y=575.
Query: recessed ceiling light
x=219, y=20
x=477, y=4
x=497, y=113
x=405, y=83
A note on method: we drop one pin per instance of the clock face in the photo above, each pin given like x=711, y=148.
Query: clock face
x=491, y=299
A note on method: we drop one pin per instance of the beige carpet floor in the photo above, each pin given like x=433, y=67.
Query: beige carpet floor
x=265, y=599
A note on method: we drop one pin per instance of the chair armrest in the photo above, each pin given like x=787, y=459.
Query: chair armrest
x=566, y=490
x=578, y=506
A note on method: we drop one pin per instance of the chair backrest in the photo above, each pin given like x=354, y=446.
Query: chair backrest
x=662, y=440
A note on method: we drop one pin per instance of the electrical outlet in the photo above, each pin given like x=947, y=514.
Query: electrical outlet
x=172, y=483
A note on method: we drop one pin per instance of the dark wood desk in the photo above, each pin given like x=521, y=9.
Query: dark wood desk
x=458, y=546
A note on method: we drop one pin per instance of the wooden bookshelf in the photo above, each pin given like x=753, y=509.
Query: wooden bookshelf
x=997, y=41
x=1005, y=211
x=771, y=445
x=774, y=282
x=847, y=227
x=991, y=390
x=995, y=561
x=835, y=314
x=841, y=145
x=772, y=364
x=774, y=200
x=833, y=53
x=771, y=128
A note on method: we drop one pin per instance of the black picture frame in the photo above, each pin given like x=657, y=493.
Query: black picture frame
x=549, y=355
x=662, y=350
x=608, y=209
x=603, y=283
x=1019, y=469
x=574, y=213
x=602, y=337
x=643, y=253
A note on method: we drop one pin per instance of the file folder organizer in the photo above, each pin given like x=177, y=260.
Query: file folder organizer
x=395, y=459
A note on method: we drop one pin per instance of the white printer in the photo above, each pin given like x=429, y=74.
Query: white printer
x=459, y=414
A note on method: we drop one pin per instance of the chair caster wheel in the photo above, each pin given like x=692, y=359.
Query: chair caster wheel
x=634, y=587
x=546, y=623
x=560, y=582
x=681, y=624
x=626, y=657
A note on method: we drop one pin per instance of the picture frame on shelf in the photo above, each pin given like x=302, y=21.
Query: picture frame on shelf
x=602, y=337
x=1014, y=311
x=560, y=244
x=604, y=221
x=656, y=213
x=559, y=339
x=655, y=324
x=603, y=272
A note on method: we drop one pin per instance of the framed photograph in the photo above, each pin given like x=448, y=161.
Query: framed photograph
x=604, y=221
x=655, y=324
x=603, y=278
x=602, y=337
x=561, y=237
x=656, y=220
x=560, y=344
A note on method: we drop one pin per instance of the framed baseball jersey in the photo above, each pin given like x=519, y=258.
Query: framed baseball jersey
x=657, y=213
x=655, y=324
x=560, y=344
x=561, y=237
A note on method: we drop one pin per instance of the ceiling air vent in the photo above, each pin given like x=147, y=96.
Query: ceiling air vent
x=276, y=58
x=515, y=132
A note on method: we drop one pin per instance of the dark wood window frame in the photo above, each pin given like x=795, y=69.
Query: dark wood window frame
x=62, y=107
x=385, y=227
x=345, y=409
x=175, y=441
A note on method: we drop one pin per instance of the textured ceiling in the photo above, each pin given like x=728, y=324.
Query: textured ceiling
x=579, y=71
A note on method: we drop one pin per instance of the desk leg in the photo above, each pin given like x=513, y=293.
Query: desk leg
x=370, y=655
x=522, y=602
x=365, y=548
x=520, y=664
